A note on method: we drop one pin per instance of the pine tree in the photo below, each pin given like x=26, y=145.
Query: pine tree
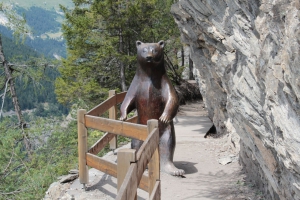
x=101, y=36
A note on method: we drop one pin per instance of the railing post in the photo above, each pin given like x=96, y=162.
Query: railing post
x=113, y=115
x=125, y=158
x=82, y=147
x=153, y=166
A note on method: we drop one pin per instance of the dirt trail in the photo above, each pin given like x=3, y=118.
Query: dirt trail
x=205, y=177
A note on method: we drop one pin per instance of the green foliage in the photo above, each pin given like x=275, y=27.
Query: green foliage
x=34, y=87
x=53, y=4
x=11, y=49
x=25, y=176
x=15, y=22
x=40, y=20
x=48, y=47
x=52, y=109
x=54, y=153
x=101, y=38
x=29, y=76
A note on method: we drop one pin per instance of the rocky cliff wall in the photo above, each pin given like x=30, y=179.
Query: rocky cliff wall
x=246, y=59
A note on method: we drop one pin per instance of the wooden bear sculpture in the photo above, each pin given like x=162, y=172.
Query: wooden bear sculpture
x=153, y=95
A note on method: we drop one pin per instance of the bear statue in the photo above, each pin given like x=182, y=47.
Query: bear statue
x=153, y=95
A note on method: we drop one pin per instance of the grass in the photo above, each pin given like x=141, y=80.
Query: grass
x=46, y=4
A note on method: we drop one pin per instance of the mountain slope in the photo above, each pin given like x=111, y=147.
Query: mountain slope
x=49, y=5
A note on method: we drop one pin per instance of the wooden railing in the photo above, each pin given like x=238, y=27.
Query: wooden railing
x=131, y=165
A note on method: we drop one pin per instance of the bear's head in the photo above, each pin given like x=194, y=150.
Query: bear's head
x=150, y=54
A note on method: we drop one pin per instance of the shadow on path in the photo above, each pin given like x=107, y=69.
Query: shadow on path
x=105, y=180
x=187, y=121
x=222, y=185
x=188, y=167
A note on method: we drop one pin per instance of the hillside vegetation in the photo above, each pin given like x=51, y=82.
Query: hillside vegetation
x=35, y=95
x=40, y=20
x=32, y=94
x=101, y=56
x=46, y=4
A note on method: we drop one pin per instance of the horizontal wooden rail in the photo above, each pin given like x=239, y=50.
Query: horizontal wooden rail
x=101, y=164
x=103, y=107
x=111, y=168
x=107, y=104
x=155, y=195
x=133, y=119
x=121, y=97
x=136, y=131
x=101, y=143
x=104, y=140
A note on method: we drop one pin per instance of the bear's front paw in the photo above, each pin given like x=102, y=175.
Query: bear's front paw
x=123, y=117
x=164, y=118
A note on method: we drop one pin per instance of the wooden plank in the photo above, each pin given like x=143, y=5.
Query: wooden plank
x=133, y=119
x=149, y=146
x=129, y=187
x=146, y=151
x=125, y=158
x=121, y=97
x=108, y=103
x=82, y=147
x=113, y=115
x=126, y=129
x=101, y=164
x=103, y=124
x=111, y=168
x=153, y=165
x=144, y=183
x=104, y=106
x=156, y=193
x=137, y=131
x=101, y=143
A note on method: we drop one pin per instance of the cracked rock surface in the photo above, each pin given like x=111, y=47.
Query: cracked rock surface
x=246, y=62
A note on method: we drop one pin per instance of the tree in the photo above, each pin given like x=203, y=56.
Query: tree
x=31, y=71
x=19, y=25
x=101, y=38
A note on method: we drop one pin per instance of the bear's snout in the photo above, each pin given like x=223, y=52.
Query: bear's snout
x=149, y=58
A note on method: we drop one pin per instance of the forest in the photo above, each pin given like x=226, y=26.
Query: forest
x=31, y=94
x=100, y=38
x=40, y=20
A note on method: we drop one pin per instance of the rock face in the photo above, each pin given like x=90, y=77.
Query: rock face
x=246, y=60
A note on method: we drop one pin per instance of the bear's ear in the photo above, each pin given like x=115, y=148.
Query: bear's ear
x=161, y=43
x=138, y=43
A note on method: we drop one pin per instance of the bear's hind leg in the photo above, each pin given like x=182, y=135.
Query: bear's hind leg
x=167, y=148
x=136, y=144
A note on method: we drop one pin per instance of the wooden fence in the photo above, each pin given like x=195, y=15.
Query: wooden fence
x=131, y=165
